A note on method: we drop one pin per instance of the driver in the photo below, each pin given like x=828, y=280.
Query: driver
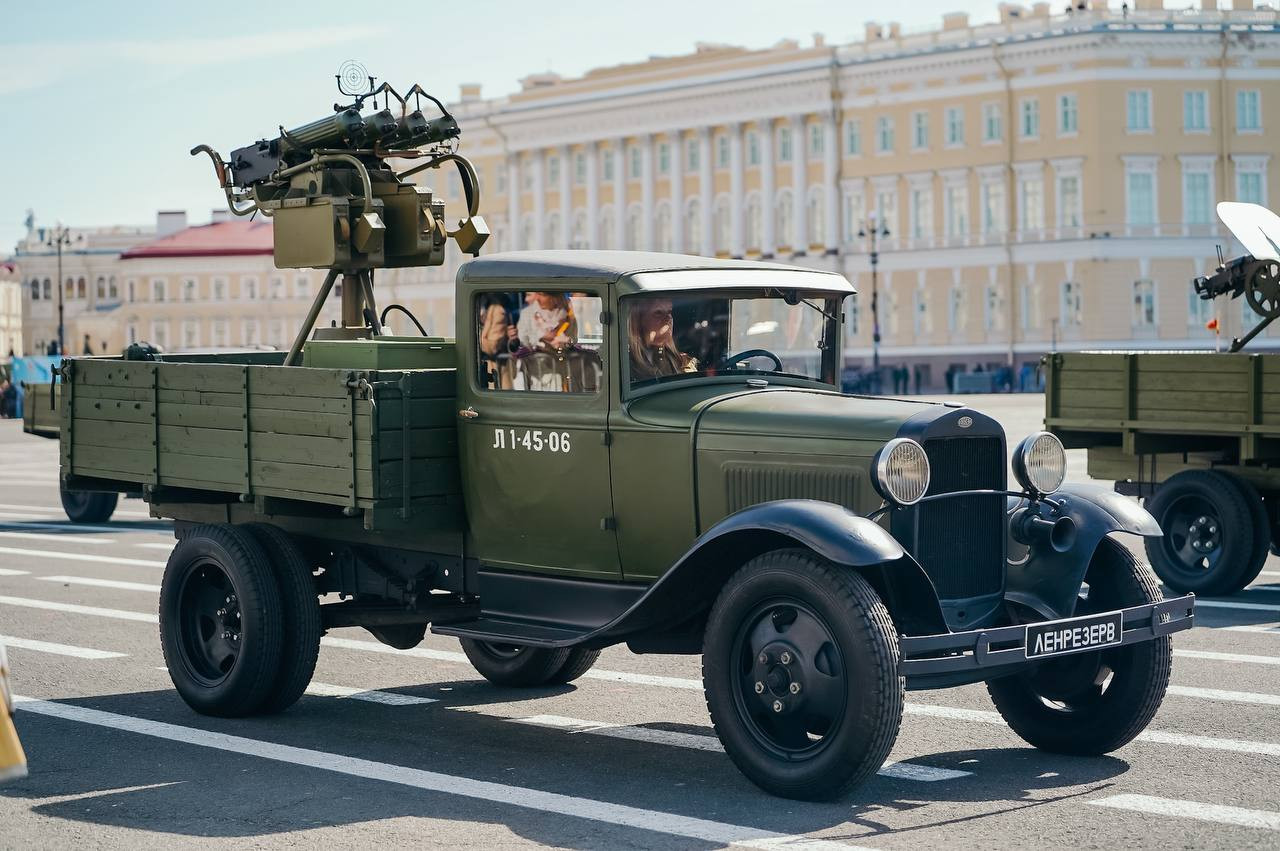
x=651, y=343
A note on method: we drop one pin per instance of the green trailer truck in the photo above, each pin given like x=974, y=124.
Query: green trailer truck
x=619, y=448
x=1194, y=434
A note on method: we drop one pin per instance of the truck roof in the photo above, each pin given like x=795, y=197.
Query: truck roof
x=643, y=271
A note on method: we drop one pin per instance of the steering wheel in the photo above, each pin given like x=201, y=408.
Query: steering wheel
x=753, y=353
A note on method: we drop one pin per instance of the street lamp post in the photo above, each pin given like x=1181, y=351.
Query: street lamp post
x=60, y=236
x=871, y=230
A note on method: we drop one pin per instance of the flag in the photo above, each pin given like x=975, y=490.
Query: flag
x=13, y=762
x=1212, y=325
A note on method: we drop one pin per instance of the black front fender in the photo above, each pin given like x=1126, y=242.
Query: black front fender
x=831, y=531
x=1048, y=581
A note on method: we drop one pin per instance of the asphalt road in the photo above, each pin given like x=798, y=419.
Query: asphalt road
x=414, y=748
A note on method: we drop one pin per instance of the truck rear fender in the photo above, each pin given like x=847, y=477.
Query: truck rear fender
x=1048, y=581
x=831, y=531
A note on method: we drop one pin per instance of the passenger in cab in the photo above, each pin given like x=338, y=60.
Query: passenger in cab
x=651, y=341
x=547, y=322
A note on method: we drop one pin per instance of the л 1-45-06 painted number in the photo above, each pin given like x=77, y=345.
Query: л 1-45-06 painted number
x=534, y=440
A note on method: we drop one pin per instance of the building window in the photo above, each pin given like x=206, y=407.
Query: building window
x=82, y=287
x=189, y=289
x=1197, y=198
x=887, y=209
x=132, y=332
x=1138, y=111
x=130, y=285
x=957, y=210
x=722, y=152
x=1070, y=213
x=1144, y=304
x=219, y=289
x=993, y=208
x=720, y=223
x=190, y=334
x=786, y=219
x=884, y=135
x=991, y=312
x=160, y=334
x=1248, y=111
x=815, y=139
x=754, y=223
x=1251, y=183
x=753, y=148
x=923, y=322
x=919, y=131
x=221, y=336
x=1195, y=111
x=249, y=332
x=956, y=310
x=35, y=289
x=275, y=333
x=784, y=145
x=664, y=158
x=1140, y=195
x=608, y=165
x=249, y=289
x=579, y=168
x=992, y=123
x=100, y=288
x=502, y=179
x=921, y=212
x=854, y=214
x=302, y=287
x=113, y=291
x=853, y=138
x=955, y=127
x=693, y=155
x=157, y=289
x=277, y=288
x=693, y=224
x=1068, y=115
x=1031, y=203
x=553, y=171
x=1029, y=123
x=1072, y=305
x=816, y=221
x=633, y=163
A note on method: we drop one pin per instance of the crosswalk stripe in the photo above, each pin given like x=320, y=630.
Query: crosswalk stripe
x=76, y=609
x=1227, y=657
x=73, y=530
x=694, y=741
x=1229, y=696
x=130, y=562
x=101, y=583
x=1244, y=607
x=620, y=815
x=1250, y=628
x=387, y=698
x=58, y=649
x=157, y=545
x=60, y=537
x=1177, y=808
x=6, y=571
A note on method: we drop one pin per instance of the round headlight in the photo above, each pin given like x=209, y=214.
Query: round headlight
x=1040, y=463
x=901, y=471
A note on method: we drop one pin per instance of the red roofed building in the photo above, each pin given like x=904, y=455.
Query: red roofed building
x=227, y=238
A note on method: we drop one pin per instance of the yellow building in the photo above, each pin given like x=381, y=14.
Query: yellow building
x=1044, y=180
x=10, y=311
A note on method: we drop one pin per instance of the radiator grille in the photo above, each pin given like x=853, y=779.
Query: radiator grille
x=751, y=484
x=960, y=542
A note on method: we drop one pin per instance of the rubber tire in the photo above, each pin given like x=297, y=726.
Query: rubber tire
x=300, y=617
x=1261, y=530
x=95, y=507
x=869, y=644
x=252, y=678
x=579, y=662
x=1238, y=537
x=531, y=666
x=1137, y=687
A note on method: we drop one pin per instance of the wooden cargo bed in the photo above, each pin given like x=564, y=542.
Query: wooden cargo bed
x=361, y=439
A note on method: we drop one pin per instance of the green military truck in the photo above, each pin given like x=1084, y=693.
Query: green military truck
x=619, y=448
x=1194, y=434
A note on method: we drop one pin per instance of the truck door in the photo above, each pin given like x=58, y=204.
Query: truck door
x=532, y=432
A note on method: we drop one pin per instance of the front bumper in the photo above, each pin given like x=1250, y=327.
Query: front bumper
x=955, y=658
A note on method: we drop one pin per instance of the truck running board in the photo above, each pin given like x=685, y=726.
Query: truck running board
x=510, y=631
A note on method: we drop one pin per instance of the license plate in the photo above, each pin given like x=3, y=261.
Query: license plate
x=1077, y=635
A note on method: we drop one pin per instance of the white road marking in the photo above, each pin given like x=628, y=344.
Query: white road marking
x=1229, y=696
x=1250, y=628
x=158, y=545
x=387, y=698
x=1244, y=607
x=101, y=583
x=35, y=515
x=120, y=512
x=1227, y=657
x=130, y=562
x=60, y=537
x=66, y=527
x=1274, y=574
x=58, y=649
x=1218, y=813
x=5, y=571
x=694, y=741
x=75, y=609
x=619, y=815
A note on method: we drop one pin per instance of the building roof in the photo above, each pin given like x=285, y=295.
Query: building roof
x=219, y=239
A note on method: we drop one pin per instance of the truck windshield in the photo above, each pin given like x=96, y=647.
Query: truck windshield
x=682, y=336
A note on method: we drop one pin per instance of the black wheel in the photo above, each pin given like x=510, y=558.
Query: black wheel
x=88, y=506
x=800, y=669
x=299, y=617
x=578, y=663
x=514, y=664
x=1093, y=703
x=401, y=636
x=1209, y=537
x=220, y=621
x=1261, y=529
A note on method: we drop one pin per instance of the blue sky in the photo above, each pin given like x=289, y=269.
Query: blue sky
x=103, y=100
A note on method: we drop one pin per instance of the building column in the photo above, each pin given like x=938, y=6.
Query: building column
x=538, y=164
x=620, y=193
x=513, y=202
x=677, y=190
x=799, y=186
x=566, y=200
x=706, y=190
x=646, y=192
x=768, y=228
x=593, y=197
x=830, y=192
x=737, y=232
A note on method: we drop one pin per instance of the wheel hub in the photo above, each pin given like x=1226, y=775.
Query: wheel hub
x=1203, y=535
x=210, y=620
x=779, y=674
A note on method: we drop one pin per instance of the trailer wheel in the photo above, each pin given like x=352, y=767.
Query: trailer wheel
x=300, y=617
x=88, y=506
x=1093, y=703
x=514, y=664
x=1209, y=536
x=220, y=621
x=800, y=670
